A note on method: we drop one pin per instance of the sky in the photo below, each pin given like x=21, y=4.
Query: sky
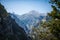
x=21, y=7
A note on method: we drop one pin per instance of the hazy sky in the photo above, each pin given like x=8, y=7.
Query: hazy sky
x=24, y=6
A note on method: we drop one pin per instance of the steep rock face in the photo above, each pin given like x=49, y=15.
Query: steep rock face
x=18, y=21
x=9, y=29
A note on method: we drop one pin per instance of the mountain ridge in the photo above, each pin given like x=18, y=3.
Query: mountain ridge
x=28, y=20
x=9, y=29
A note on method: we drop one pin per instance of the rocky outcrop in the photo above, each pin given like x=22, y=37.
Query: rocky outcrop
x=9, y=29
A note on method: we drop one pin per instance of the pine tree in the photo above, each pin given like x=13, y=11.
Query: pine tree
x=54, y=24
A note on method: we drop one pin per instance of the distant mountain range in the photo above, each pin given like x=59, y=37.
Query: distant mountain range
x=28, y=20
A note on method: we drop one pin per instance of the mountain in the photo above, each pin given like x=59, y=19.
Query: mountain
x=28, y=20
x=18, y=21
x=9, y=29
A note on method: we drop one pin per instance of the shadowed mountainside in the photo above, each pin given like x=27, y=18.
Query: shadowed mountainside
x=9, y=29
